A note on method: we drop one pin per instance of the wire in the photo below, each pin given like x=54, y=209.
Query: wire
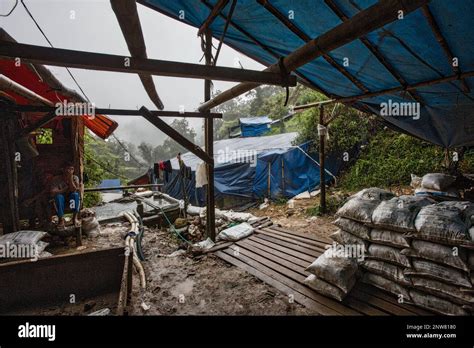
x=49, y=42
x=9, y=13
x=125, y=148
x=105, y=168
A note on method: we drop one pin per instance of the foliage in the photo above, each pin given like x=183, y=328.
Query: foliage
x=389, y=159
x=332, y=205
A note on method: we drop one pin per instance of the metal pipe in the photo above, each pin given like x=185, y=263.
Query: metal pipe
x=8, y=84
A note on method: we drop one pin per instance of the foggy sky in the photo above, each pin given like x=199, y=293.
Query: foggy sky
x=90, y=25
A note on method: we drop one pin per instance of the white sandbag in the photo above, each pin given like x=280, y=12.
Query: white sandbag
x=443, y=254
x=202, y=246
x=90, y=226
x=193, y=210
x=337, y=271
x=388, y=254
x=236, y=232
x=437, y=181
x=399, y=213
x=360, y=206
x=439, y=272
x=436, y=304
x=390, y=238
x=445, y=222
x=387, y=285
x=386, y=270
x=356, y=228
x=326, y=289
x=25, y=237
x=345, y=238
x=446, y=291
x=236, y=216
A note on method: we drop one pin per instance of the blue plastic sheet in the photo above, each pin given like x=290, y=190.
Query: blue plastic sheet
x=254, y=126
x=408, y=45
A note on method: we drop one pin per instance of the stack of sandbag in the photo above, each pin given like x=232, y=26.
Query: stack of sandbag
x=385, y=263
x=332, y=275
x=355, y=217
x=437, y=185
x=441, y=257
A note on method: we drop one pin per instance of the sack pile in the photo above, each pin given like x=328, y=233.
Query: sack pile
x=414, y=248
x=332, y=275
x=434, y=185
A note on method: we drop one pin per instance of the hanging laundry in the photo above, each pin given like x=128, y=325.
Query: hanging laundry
x=201, y=175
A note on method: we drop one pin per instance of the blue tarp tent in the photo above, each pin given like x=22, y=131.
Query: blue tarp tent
x=110, y=183
x=254, y=126
x=404, y=52
x=251, y=168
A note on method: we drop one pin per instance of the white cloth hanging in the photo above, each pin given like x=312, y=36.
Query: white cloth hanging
x=201, y=175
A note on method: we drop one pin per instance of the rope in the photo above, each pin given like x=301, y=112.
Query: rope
x=104, y=168
x=312, y=159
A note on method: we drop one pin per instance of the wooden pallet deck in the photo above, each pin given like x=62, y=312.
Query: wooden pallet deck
x=278, y=257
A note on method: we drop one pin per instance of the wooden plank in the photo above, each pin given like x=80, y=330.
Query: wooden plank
x=299, y=298
x=302, y=234
x=218, y=7
x=276, y=253
x=283, y=261
x=293, y=241
x=299, y=239
x=283, y=249
x=292, y=246
x=296, y=287
x=362, y=307
x=379, y=303
x=299, y=286
x=367, y=288
x=108, y=62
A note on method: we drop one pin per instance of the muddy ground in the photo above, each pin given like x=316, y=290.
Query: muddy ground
x=203, y=285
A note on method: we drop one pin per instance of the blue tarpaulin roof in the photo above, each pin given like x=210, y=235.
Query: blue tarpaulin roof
x=255, y=167
x=106, y=183
x=408, y=45
x=254, y=126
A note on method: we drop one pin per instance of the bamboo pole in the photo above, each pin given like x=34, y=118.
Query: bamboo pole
x=322, y=172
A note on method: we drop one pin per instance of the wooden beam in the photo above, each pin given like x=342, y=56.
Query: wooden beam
x=175, y=135
x=129, y=21
x=444, y=44
x=216, y=10
x=116, y=112
x=335, y=8
x=303, y=36
x=322, y=171
x=109, y=62
x=9, y=213
x=209, y=144
x=372, y=18
x=303, y=79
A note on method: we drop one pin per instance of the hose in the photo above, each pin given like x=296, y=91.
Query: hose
x=130, y=241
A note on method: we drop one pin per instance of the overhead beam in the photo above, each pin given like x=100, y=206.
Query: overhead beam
x=444, y=44
x=212, y=16
x=380, y=57
x=366, y=21
x=109, y=62
x=175, y=135
x=127, y=16
x=116, y=112
x=303, y=36
x=303, y=79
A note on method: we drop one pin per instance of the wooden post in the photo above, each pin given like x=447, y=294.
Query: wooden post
x=9, y=216
x=322, y=181
x=209, y=144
